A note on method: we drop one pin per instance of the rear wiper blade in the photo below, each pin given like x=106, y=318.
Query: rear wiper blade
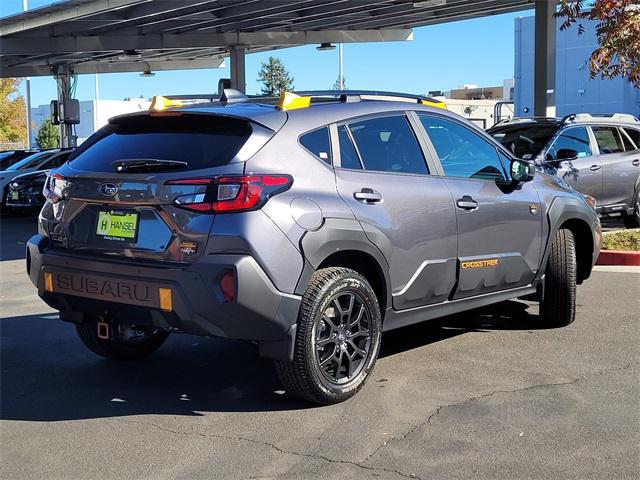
x=148, y=164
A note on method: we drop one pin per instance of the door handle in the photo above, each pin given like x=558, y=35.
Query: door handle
x=368, y=195
x=467, y=203
x=595, y=168
x=636, y=163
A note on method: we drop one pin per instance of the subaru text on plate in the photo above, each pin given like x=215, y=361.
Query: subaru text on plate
x=308, y=226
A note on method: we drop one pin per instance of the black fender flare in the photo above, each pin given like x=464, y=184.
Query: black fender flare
x=335, y=235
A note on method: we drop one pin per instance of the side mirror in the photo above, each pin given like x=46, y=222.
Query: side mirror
x=567, y=154
x=521, y=171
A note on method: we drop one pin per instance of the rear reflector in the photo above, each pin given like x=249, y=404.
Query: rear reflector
x=48, y=282
x=166, y=301
x=231, y=193
x=228, y=286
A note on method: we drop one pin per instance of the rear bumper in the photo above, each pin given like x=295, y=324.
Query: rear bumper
x=131, y=292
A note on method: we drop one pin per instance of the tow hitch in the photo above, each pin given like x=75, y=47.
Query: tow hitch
x=103, y=330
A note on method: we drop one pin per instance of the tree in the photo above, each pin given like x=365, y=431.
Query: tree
x=336, y=84
x=48, y=135
x=13, y=114
x=274, y=77
x=618, y=33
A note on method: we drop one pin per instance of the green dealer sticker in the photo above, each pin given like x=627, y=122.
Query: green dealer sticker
x=113, y=225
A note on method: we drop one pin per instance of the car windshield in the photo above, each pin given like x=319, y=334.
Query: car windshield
x=524, y=141
x=32, y=161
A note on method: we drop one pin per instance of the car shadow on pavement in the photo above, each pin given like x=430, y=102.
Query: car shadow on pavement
x=48, y=375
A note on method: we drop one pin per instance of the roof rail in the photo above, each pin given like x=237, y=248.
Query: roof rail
x=297, y=98
x=599, y=117
x=348, y=96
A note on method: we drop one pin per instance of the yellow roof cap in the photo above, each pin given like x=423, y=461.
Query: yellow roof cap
x=161, y=103
x=291, y=101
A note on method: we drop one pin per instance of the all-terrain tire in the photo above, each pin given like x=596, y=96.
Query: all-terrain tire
x=558, y=307
x=303, y=377
x=117, y=349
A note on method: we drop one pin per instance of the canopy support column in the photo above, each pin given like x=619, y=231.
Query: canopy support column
x=63, y=79
x=238, y=78
x=544, y=103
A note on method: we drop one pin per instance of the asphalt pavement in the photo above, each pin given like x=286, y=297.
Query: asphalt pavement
x=486, y=395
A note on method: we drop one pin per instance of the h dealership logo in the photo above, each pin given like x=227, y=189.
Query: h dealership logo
x=109, y=189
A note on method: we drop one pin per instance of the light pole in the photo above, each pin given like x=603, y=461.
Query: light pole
x=340, y=76
x=95, y=107
x=25, y=7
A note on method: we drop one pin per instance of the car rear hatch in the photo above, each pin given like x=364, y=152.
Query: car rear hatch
x=132, y=190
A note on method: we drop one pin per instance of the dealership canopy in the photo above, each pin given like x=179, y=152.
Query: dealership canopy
x=108, y=36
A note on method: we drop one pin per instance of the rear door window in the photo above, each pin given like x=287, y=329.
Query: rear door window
x=609, y=140
x=462, y=153
x=572, y=139
x=203, y=141
x=317, y=142
x=388, y=144
x=634, y=135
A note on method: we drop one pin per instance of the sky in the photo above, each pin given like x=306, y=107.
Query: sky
x=440, y=57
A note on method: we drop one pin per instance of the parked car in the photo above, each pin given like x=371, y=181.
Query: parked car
x=35, y=161
x=9, y=157
x=597, y=155
x=309, y=227
x=24, y=192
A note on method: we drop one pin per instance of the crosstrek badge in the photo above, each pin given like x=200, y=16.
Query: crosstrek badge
x=490, y=262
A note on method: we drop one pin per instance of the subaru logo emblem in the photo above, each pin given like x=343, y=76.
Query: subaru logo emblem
x=109, y=189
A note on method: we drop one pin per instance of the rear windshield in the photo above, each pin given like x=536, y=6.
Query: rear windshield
x=524, y=141
x=202, y=141
x=32, y=161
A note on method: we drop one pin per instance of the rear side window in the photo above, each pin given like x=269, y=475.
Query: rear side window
x=462, y=153
x=634, y=135
x=572, y=139
x=348, y=155
x=317, y=142
x=202, y=141
x=608, y=139
x=388, y=145
x=524, y=141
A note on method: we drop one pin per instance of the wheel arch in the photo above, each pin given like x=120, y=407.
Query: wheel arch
x=574, y=214
x=343, y=243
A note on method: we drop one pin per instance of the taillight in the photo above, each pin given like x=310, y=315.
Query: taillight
x=231, y=193
x=54, y=187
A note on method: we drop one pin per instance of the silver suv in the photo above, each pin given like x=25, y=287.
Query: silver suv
x=598, y=155
x=308, y=226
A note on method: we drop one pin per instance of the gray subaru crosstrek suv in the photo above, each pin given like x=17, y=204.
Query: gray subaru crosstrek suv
x=309, y=226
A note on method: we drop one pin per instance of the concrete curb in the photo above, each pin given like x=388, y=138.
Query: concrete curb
x=616, y=257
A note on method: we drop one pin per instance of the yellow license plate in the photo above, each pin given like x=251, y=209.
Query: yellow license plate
x=116, y=225
x=15, y=195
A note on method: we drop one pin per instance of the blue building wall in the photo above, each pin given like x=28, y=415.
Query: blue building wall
x=575, y=91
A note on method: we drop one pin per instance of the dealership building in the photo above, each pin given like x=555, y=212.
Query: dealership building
x=575, y=90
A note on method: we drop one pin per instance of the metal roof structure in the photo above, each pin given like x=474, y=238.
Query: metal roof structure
x=108, y=36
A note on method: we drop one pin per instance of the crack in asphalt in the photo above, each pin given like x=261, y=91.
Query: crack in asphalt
x=467, y=401
x=377, y=450
x=271, y=445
